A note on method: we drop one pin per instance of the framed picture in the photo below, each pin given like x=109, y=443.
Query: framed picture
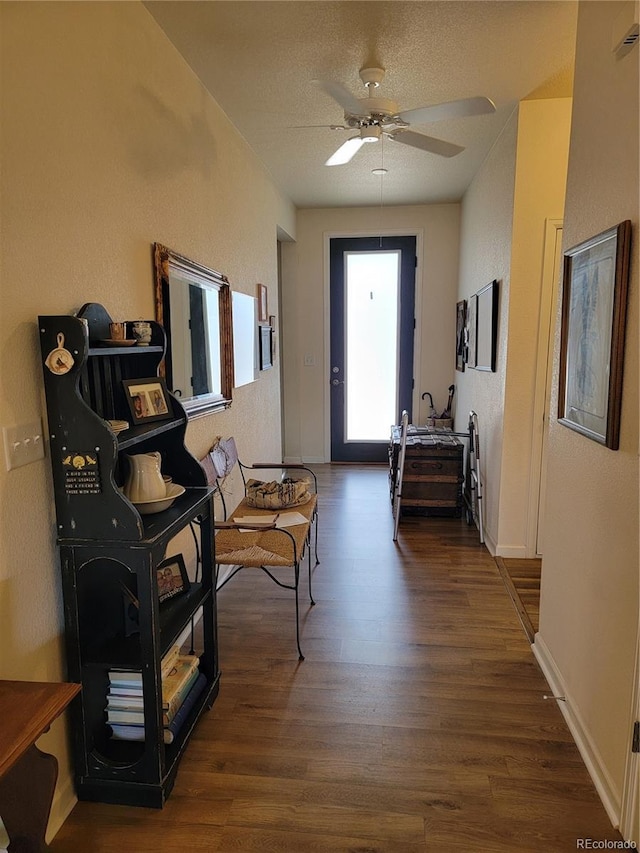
x=266, y=356
x=594, y=306
x=263, y=305
x=487, y=327
x=461, y=341
x=148, y=399
x=472, y=329
x=172, y=578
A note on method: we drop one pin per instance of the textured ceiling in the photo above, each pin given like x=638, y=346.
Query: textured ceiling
x=261, y=62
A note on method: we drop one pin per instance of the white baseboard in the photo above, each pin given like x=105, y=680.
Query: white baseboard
x=314, y=460
x=292, y=460
x=611, y=798
x=518, y=552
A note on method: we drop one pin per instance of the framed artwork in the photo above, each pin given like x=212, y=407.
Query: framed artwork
x=461, y=342
x=172, y=578
x=487, y=327
x=263, y=305
x=266, y=354
x=472, y=329
x=594, y=305
x=148, y=399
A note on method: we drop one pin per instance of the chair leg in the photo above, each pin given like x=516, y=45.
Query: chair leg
x=316, y=538
x=297, y=577
x=310, y=593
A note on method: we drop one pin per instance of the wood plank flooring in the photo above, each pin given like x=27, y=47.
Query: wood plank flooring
x=415, y=725
x=522, y=581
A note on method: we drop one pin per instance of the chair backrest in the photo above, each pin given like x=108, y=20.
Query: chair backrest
x=218, y=463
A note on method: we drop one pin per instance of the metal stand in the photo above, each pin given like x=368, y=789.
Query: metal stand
x=397, y=485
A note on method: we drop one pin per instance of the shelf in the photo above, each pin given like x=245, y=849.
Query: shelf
x=165, y=525
x=142, y=432
x=124, y=652
x=113, y=350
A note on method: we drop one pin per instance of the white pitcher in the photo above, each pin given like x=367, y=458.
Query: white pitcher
x=144, y=482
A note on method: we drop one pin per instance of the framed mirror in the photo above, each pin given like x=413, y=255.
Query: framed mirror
x=193, y=303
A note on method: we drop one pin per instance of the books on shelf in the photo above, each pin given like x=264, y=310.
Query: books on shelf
x=126, y=678
x=125, y=698
x=121, y=731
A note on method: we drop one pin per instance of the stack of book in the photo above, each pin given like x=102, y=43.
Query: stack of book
x=182, y=684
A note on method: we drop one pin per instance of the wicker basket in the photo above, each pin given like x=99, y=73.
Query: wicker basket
x=440, y=423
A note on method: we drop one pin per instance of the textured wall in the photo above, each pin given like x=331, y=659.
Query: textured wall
x=541, y=173
x=485, y=254
x=109, y=143
x=305, y=291
x=589, y=603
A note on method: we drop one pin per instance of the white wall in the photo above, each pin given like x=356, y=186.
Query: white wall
x=540, y=181
x=485, y=254
x=306, y=304
x=589, y=600
x=109, y=143
x=520, y=185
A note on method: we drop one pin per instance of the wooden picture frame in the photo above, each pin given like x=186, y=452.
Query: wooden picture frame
x=263, y=303
x=487, y=327
x=148, y=399
x=172, y=578
x=594, y=306
x=461, y=337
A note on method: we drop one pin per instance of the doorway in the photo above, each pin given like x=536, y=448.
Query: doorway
x=372, y=296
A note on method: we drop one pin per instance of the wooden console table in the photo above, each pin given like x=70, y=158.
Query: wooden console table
x=27, y=775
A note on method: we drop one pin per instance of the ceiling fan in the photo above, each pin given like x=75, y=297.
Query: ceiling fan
x=373, y=116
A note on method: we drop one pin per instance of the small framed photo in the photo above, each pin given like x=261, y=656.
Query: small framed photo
x=148, y=399
x=594, y=305
x=172, y=578
x=263, y=304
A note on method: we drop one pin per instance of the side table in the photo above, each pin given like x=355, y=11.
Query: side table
x=27, y=775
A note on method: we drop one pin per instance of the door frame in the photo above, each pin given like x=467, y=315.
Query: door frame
x=549, y=291
x=418, y=233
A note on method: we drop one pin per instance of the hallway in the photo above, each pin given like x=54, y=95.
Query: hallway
x=416, y=723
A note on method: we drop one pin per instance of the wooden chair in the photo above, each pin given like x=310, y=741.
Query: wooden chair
x=264, y=546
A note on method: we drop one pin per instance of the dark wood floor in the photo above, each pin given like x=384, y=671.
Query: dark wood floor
x=415, y=724
x=522, y=581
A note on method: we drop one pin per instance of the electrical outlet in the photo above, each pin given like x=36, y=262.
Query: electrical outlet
x=23, y=444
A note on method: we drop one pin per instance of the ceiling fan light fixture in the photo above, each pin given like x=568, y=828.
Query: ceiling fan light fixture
x=371, y=133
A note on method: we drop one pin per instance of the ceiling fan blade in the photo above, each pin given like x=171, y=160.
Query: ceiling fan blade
x=451, y=109
x=349, y=103
x=345, y=152
x=426, y=143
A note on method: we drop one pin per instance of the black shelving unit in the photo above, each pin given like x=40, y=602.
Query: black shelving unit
x=106, y=546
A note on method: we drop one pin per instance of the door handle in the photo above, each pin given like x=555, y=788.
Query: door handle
x=337, y=381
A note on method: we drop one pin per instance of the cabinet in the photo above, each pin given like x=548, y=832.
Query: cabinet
x=107, y=548
x=433, y=473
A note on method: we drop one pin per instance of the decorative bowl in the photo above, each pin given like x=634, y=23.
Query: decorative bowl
x=160, y=504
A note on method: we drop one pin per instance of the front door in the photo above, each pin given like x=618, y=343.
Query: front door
x=372, y=292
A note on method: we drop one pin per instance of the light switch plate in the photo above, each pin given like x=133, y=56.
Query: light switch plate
x=23, y=444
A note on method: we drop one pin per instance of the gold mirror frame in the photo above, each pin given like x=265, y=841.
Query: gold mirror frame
x=171, y=267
